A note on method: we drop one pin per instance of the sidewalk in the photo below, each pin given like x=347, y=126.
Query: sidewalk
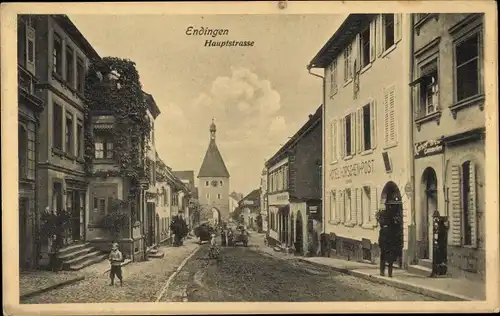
x=446, y=289
x=36, y=282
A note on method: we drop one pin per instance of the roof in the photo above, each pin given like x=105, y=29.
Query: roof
x=213, y=165
x=152, y=106
x=340, y=39
x=75, y=34
x=185, y=175
x=313, y=120
x=171, y=179
x=254, y=195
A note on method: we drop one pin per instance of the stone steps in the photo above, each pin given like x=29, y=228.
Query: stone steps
x=79, y=256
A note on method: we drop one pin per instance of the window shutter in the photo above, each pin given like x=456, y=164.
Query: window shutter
x=392, y=116
x=373, y=124
x=359, y=206
x=386, y=117
x=373, y=205
x=456, y=207
x=342, y=206
x=30, y=49
x=333, y=141
x=398, y=19
x=359, y=130
x=373, y=39
x=332, y=207
x=354, y=206
x=353, y=133
x=473, y=204
x=342, y=138
x=338, y=206
x=380, y=37
x=357, y=54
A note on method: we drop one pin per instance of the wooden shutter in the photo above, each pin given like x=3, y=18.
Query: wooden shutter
x=473, y=203
x=359, y=206
x=354, y=206
x=456, y=206
x=30, y=49
x=392, y=116
x=373, y=39
x=398, y=19
x=373, y=204
x=373, y=124
x=357, y=54
x=342, y=137
x=380, y=37
x=342, y=206
x=386, y=118
x=353, y=133
x=359, y=131
x=334, y=140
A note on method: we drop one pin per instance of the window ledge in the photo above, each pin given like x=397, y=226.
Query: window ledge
x=366, y=68
x=369, y=226
x=347, y=82
x=57, y=76
x=104, y=161
x=389, y=50
x=69, y=156
x=390, y=145
x=477, y=99
x=366, y=152
x=427, y=118
x=334, y=162
x=349, y=224
x=334, y=93
x=58, y=152
x=348, y=157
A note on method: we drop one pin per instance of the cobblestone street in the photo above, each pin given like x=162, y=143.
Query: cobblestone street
x=248, y=275
x=142, y=281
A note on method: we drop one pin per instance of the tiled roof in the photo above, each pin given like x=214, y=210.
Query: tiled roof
x=213, y=165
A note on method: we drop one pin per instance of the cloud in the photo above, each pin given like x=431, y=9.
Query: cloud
x=245, y=108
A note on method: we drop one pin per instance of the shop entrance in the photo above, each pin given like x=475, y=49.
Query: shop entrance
x=429, y=206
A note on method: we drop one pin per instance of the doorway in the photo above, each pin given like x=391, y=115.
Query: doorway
x=299, y=234
x=429, y=180
x=394, y=212
x=150, y=223
x=23, y=229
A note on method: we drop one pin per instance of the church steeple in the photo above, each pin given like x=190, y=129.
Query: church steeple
x=213, y=129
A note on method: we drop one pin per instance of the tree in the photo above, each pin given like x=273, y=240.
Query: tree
x=116, y=220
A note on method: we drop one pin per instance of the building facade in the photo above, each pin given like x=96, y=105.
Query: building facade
x=294, y=188
x=448, y=96
x=367, y=155
x=190, y=197
x=213, y=183
x=263, y=199
x=251, y=209
x=62, y=60
x=30, y=105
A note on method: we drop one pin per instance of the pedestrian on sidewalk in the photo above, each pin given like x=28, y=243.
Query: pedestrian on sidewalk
x=115, y=259
x=386, y=241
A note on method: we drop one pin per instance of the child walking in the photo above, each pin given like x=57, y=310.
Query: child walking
x=115, y=259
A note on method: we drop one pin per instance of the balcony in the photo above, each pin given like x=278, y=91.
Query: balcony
x=27, y=88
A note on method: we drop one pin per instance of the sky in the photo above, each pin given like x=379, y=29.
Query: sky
x=258, y=96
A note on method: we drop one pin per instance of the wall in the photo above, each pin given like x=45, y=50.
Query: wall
x=223, y=203
x=373, y=80
x=308, y=152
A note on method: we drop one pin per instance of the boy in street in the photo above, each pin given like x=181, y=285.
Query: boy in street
x=115, y=259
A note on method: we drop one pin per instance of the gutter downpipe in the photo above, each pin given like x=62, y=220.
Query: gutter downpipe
x=411, y=145
x=309, y=67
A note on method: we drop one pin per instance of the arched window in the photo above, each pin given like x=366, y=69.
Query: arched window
x=23, y=151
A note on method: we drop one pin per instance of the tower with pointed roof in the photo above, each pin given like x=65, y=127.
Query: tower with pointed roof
x=213, y=182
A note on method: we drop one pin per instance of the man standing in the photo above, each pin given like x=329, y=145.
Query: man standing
x=386, y=241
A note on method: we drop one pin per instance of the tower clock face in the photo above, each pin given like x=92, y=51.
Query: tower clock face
x=214, y=183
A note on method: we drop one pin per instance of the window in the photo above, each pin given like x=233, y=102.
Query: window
x=69, y=134
x=390, y=136
x=348, y=63
x=367, y=127
x=70, y=68
x=104, y=146
x=467, y=67
x=218, y=196
x=388, y=25
x=347, y=206
x=221, y=183
x=57, y=126
x=57, y=54
x=23, y=152
x=80, y=75
x=79, y=139
x=26, y=42
x=365, y=47
x=334, y=140
x=347, y=129
x=206, y=183
x=333, y=77
x=333, y=204
x=429, y=92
